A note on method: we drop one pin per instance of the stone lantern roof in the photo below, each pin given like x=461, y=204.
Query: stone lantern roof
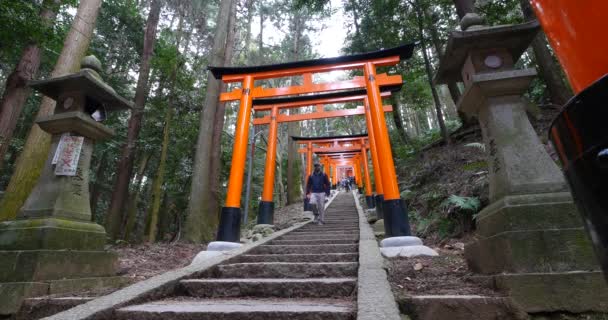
x=514, y=38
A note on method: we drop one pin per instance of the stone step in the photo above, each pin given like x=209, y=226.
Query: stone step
x=461, y=307
x=319, y=236
x=266, y=288
x=240, y=309
x=310, y=234
x=322, y=248
x=288, y=270
x=41, y=307
x=325, y=257
x=325, y=229
x=314, y=241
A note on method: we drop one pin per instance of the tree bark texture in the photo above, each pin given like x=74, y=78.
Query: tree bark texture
x=548, y=68
x=293, y=128
x=429, y=73
x=114, y=216
x=134, y=198
x=36, y=149
x=218, y=123
x=16, y=90
x=201, y=224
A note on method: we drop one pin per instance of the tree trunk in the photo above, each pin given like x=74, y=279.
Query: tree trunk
x=157, y=192
x=16, y=90
x=135, y=196
x=429, y=73
x=398, y=119
x=159, y=179
x=548, y=68
x=201, y=223
x=293, y=129
x=452, y=85
x=114, y=215
x=218, y=124
x=36, y=149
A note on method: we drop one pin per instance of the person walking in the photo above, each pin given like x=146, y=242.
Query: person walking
x=317, y=187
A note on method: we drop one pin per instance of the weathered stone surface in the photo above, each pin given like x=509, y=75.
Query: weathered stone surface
x=375, y=299
x=574, y=292
x=409, y=252
x=288, y=270
x=461, y=308
x=13, y=294
x=264, y=288
x=41, y=265
x=240, y=309
x=548, y=250
x=205, y=255
x=38, y=308
x=223, y=246
x=400, y=242
x=324, y=257
x=326, y=248
x=314, y=242
x=51, y=234
x=85, y=284
x=528, y=212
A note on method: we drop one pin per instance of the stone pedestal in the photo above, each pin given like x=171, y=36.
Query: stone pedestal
x=53, y=247
x=530, y=241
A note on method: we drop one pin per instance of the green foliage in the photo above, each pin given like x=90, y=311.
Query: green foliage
x=460, y=204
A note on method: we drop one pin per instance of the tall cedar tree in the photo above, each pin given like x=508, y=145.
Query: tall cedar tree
x=16, y=90
x=36, y=149
x=114, y=216
x=201, y=223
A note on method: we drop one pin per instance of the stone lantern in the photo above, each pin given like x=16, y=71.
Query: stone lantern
x=52, y=246
x=530, y=240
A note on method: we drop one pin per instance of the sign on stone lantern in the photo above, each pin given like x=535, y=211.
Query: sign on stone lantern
x=530, y=240
x=52, y=246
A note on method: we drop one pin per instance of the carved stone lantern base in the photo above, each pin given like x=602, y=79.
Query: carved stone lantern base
x=53, y=246
x=530, y=242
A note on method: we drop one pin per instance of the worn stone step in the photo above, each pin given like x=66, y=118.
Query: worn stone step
x=325, y=257
x=288, y=270
x=240, y=309
x=314, y=241
x=318, y=236
x=334, y=232
x=323, y=228
x=273, y=287
x=461, y=307
x=322, y=248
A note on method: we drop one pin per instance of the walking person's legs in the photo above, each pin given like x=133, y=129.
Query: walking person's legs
x=321, y=207
x=315, y=206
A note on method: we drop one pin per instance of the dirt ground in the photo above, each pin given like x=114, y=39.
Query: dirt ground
x=446, y=274
x=142, y=261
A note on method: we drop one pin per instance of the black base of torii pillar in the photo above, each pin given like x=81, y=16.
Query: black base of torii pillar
x=266, y=212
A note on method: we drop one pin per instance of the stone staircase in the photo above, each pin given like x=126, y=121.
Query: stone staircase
x=309, y=273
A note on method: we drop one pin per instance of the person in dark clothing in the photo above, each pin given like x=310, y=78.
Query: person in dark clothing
x=317, y=187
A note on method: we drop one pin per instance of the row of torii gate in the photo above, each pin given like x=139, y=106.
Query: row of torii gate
x=335, y=153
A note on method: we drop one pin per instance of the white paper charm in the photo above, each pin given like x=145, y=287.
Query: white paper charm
x=68, y=154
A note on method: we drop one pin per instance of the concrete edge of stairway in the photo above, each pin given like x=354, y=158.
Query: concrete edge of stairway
x=375, y=299
x=102, y=308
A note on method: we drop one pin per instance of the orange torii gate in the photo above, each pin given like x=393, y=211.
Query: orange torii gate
x=266, y=206
x=395, y=214
x=340, y=145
